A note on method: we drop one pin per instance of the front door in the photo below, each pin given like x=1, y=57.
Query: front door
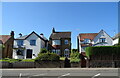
x=29, y=53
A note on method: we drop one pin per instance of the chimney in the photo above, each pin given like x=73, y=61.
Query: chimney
x=53, y=30
x=20, y=35
x=42, y=35
x=12, y=33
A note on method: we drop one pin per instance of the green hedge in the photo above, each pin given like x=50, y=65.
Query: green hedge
x=16, y=60
x=102, y=50
x=47, y=57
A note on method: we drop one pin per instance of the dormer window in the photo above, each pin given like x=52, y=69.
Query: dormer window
x=102, y=39
x=87, y=40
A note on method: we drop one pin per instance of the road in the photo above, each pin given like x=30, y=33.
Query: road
x=61, y=73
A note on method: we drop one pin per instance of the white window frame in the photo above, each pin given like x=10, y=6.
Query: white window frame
x=55, y=42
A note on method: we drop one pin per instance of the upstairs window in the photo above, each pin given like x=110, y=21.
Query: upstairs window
x=86, y=40
x=66, y=41
x=33, y=42
x=102, y=39
x=55, y=42
x=20, y=42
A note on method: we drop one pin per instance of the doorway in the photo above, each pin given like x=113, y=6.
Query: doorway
x=29, y=53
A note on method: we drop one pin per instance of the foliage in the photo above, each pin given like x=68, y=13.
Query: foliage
x=43, y=50
x=28, y=60
x=16, y=60
x=74, y=50
x=11, y=60
x=47, y=57
x=63, y=58
x=102, y=50
x=75, y=56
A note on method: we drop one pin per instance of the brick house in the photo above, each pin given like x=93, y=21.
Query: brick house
x=7, y=45
x=60, y=43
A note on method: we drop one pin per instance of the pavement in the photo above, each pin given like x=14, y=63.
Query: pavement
x=61, y=73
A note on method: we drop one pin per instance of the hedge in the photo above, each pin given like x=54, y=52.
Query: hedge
x=102, y=50
x=47, y=57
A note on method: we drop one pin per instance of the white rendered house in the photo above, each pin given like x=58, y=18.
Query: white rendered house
x=28, y=46
x=93, y=39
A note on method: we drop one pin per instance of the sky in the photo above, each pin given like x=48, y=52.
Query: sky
x=77, y=17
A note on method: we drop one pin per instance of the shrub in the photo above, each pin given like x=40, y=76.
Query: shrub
x=28, y=60
x=102, y=50
x=43, y=50
x=47, y=57
x=75, y=57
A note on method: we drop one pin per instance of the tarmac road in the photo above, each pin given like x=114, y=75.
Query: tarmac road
x=61, y=73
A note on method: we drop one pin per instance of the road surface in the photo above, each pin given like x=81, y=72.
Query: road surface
x=61, y=73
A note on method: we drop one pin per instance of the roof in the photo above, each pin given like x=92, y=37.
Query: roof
x=59, y=35
x=90, y=36
x=22, y=37
x=4, y=38
x=26, y=36
x=116, y=36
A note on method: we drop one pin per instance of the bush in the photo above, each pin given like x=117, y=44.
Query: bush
x=75, y=57
x=102, y=50
x=43, y=50
x=47, y=57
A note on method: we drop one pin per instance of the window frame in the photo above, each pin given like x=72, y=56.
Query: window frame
x=32, y=43
x=66, y=42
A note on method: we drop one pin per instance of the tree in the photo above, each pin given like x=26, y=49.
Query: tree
x=119, y=41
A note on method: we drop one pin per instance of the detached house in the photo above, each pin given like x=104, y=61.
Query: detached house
x=60, y=43
x=6, y=45
x=28, y=46
x=93, y=39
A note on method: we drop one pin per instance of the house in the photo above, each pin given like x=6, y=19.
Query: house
x=60, y=43
x=28, y=46
x=116, y=39
x=6, y=45
x=93, y=39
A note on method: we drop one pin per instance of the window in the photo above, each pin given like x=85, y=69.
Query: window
x=56, y=42
x=102, y=39
x=66, y=52
x=57, y=51
x=20, y=42
x=32, y=42
x=66, y=42
x=86, y=40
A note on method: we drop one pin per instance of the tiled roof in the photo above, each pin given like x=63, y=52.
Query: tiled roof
x=22, y=37
x=90, y=36
x=26, y=36
x=58, y=35
x=4, y=38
